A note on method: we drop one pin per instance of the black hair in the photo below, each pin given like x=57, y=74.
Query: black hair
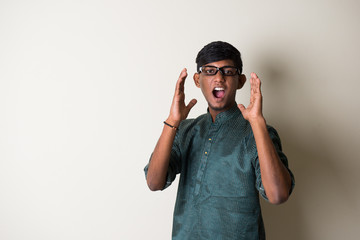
x=217, y=51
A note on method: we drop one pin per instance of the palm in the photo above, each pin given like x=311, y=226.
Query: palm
x=179, y=111
x=254, y=109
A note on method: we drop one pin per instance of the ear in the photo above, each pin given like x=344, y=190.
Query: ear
x=241, y=81
x=197, y=79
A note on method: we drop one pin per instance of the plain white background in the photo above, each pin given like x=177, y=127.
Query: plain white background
x=85, y=86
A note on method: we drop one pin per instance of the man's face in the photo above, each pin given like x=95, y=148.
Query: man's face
x=219, y=91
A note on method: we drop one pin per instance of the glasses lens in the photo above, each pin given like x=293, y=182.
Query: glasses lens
x=229, y=71
x=208, y=70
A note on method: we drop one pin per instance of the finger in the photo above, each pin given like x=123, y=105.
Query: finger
x=253, y=75
x=255, y=83
x=181, y=81
x=259, y=85
x=191, y=104
x=252, y=90
x=241, y=107
x=252, y=86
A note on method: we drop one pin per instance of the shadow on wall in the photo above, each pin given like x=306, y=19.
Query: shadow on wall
x=323, y=200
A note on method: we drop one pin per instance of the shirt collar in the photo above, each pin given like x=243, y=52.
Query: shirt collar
x=226, y=115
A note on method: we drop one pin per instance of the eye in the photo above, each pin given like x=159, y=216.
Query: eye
x=229, y=71
x=210, y=71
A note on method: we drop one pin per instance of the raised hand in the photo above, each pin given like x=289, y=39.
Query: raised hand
x=254, y=110
x=179, y=111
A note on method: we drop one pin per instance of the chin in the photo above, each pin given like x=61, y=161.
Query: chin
x=220, y=107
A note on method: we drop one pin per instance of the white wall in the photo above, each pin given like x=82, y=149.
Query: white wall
x=85, y=86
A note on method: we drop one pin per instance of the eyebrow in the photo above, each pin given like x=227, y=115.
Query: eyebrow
x=218, y=67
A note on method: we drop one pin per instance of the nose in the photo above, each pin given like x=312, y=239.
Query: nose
x=219, y=77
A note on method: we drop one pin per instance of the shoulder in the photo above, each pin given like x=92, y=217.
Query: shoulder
x=249, y=134
x=189, y=125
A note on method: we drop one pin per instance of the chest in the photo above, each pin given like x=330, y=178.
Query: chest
x=219, y=162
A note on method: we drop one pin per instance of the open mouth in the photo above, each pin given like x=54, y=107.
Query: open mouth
x=218, y=92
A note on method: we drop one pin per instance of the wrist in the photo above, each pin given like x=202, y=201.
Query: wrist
x=258, y=121
x=173, y=122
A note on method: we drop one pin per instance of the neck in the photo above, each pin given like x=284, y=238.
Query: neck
x=214, y=112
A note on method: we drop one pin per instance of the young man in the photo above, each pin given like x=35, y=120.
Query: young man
x=225, y=157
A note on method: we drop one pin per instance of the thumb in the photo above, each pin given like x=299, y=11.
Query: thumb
x=191, y=104
x=241, y=107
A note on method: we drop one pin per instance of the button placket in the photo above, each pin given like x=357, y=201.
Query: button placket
x=204, y=158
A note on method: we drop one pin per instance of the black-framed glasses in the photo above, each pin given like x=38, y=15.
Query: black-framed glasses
x=225, y=71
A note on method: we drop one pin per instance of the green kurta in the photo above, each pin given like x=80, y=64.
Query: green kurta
x=220, y=180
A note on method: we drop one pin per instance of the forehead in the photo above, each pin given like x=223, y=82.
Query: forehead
x=222, y=63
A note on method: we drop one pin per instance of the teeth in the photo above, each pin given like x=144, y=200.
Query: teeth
x=219, y=89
